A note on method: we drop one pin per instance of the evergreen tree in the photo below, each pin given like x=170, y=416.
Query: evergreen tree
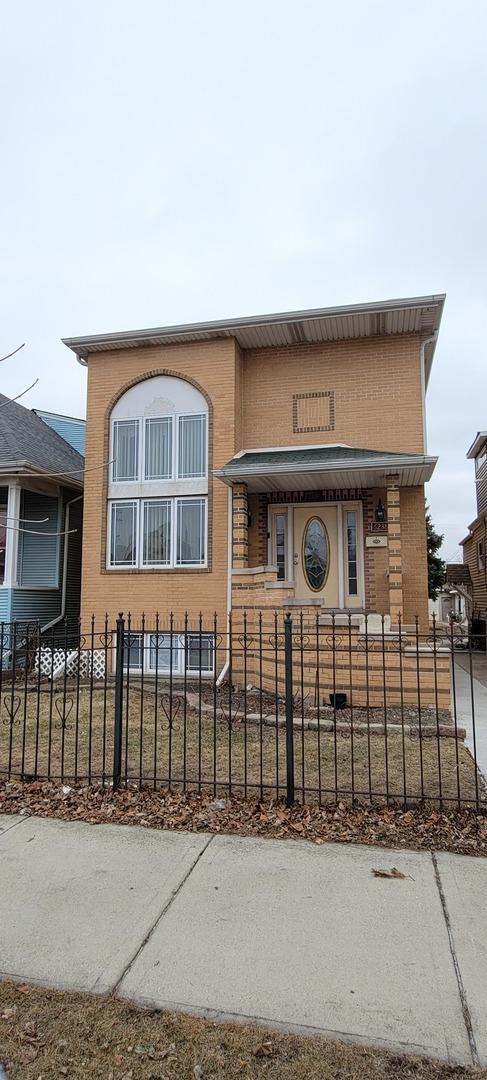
x=436, y=566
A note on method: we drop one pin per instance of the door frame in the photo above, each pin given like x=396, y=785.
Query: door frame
x=314, y=507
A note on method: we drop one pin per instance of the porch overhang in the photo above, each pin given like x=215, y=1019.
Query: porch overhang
x=30, y=474
x=322, y=467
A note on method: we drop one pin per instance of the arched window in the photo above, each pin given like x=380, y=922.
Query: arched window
x=158, y=485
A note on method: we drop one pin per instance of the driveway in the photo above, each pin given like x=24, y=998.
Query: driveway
x=285, y=933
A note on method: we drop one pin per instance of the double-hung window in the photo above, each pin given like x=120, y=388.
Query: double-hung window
x=163, y=460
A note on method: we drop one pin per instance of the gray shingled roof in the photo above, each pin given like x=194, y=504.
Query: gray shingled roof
x=317, y=455
x=26, y=442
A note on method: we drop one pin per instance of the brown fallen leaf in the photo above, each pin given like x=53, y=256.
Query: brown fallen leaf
x=265, y=1049
x=392, y=873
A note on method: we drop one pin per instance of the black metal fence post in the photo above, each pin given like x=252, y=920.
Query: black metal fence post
x=117, y=732
x=288, y=668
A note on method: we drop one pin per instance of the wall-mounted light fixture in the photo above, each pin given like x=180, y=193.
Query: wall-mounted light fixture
x=380, y=514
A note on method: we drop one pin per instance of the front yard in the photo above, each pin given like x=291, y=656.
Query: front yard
x=185, y=747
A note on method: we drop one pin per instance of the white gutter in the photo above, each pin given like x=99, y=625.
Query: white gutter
x=65, y=567
x=226, y=665
x=422, y=367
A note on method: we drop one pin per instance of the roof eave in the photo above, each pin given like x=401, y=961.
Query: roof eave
x=480, y=438
x=32, y=472
x=91, y=343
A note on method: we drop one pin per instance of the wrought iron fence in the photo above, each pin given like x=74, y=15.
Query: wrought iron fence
x=304, y=708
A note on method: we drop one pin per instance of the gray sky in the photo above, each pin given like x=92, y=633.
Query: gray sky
x=167, y=162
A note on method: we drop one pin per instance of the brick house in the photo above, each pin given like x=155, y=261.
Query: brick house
x=273, y=463
x=475, y=543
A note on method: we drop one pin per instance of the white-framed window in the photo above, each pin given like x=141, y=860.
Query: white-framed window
x=279, y=541
x=157, y=499
x=125, y=450
x=164, y=653
x=351, y=552
x=158, y=533
x=481, y=555
x=160, y=448
x=191, y=447
x=123, y=533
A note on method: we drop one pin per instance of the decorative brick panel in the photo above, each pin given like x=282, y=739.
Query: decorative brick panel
x=314, y=412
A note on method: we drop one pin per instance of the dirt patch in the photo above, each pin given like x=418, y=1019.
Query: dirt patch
x=463, y=831
x=53, y=1035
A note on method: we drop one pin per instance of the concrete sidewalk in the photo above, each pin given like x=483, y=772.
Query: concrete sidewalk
x=286, y=933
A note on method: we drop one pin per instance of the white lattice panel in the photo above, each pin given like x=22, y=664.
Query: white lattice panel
x=55, y=663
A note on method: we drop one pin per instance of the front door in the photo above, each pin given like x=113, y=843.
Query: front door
x=316, y=554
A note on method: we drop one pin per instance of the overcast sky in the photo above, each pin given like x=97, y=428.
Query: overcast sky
x=168, y=162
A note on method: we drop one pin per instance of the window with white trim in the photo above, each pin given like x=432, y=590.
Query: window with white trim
x=125, y=449
x=158, y=448
x=170, y=653
x=481, y=555
x=158, y=486
x=158, y=533
x=352, y=563
x=170, y=448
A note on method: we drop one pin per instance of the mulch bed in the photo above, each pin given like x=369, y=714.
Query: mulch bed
x=267, y=704
x=462, y=831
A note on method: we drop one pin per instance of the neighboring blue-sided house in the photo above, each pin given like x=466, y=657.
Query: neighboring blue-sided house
x=41, y=514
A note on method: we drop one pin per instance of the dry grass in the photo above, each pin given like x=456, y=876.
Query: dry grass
x=54, y=1035
x=195, y=752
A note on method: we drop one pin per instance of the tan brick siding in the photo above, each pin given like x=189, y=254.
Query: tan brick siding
x=414, y=556
x=213, y=366
x=376, y=404
x=377, y=393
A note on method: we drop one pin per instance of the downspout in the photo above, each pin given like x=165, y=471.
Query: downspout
x=226, y=665
x=65, y=567
x=427, y=341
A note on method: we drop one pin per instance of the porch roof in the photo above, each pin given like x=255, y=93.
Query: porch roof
x=317, y=467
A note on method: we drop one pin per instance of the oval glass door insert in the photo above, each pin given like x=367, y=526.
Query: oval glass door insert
x=316, y=553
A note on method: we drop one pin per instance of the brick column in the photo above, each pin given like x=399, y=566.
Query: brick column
x=240, y=528
x=394, y=548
